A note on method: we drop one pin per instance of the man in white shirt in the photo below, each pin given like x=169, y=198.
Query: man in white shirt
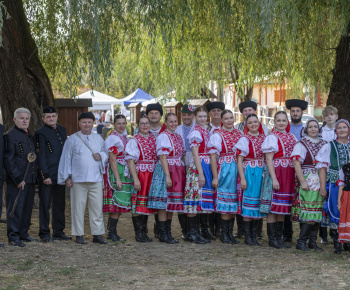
x=214, y=110
x=81, y=167
x=330, y=115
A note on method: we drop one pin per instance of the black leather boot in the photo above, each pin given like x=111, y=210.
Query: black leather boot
x=324, y=235
x=203, y=218
x=144, y=230
x=259, y=233
x=346, y=247
x=271, y=233
x=97, y=239
x=112, y=230
x=217, y=224
x=224, y=238
x=287, y=227
x=337, y=245
x=230, y=231
x=156, y=226
x=136, y=220
x=211, y=223
x=255, y=230
x=183, y=223
x=303, y=236
x=163, y=235
x=193, y=232
x=168, y=230
x=247, y=225
x=313, y=238
x=279, y=229
x=240, y=230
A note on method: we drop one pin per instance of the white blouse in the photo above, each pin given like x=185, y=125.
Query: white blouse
x=270, y=144
x=323, y=157
x=195, y=138
x=215, y=144
x=243, y=146
x=328, y=134
x=163, y=145
x=114, y=141
x=132, y=150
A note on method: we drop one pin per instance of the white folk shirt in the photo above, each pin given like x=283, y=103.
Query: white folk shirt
x=213, y=128
x=77, y=160
x=328, y=134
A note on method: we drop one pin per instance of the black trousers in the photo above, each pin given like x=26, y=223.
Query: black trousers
x=19, y=224
x=53, y=196
x=1, y=196
x=288, y=227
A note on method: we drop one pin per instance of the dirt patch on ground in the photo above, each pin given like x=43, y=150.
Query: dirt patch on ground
x=67, y=265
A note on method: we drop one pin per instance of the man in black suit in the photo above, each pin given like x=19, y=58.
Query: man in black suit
x=19, y=158
x=2, y=129
x=50, y=139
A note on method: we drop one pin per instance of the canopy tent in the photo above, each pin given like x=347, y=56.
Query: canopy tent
x=101, y=101
x=138, y=96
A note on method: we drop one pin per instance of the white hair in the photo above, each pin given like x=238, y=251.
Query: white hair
x=21, y=110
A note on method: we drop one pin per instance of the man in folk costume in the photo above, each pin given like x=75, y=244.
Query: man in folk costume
x=81, y=167
x=296, y=108
x=20, y=166
x=214, y=219
x=187, y=117
x=247, y=108
x=50, y=139
x=2, y=129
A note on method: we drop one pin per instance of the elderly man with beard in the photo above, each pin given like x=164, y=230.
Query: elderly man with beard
x=187, y=117
x=296, y=108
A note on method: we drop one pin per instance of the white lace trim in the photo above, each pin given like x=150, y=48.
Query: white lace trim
x=144, y=166
x=254, y=163
x=284, y=162
x=226, y=159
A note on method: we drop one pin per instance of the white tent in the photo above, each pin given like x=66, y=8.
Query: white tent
x=101, y=101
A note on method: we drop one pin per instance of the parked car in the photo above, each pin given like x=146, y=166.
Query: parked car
x=304, y=119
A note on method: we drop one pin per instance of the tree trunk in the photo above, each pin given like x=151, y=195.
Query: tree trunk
x=339, y=93
x=23, y=80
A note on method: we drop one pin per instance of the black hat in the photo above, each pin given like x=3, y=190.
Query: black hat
x=296, y=103
x=189, y=109
x=156, y=106
x=86, y=115
x=247, y=104
x=215, y=105
x=49, y=109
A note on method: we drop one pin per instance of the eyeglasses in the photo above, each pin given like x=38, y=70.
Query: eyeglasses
x=143, y=124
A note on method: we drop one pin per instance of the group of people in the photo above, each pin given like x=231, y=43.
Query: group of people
x=207, y=172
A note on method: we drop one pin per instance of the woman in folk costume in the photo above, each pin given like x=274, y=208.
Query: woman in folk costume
x=117, y=187
x=198, y=194
x=338, y=152
x=141, y=157
x=224, y=169
x=168, y=182
x=344, y=204
x=251, y=167
x=308, y=202
x=279, y=180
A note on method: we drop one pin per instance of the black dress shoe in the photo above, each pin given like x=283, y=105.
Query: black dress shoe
x=61, y=237
x=98, y=239
x=81, y=240
x=47, y=240
x=28, y=239
x=17, y=243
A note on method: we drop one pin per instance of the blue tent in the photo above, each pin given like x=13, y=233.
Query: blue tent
x=138, y=96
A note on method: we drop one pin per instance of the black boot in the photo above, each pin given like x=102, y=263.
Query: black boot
x=217, y=225
x=163, y=235
x=112, y=230
x=183, y=223
x=271, y=233
x=259, y=229
x=168, y=230
x=136, y=220
x=224, y=238
x=287, y=229
x=337, y=245
x=144, y=229
x=97, y=239
x=324, y=235
x=255, y=230
x=203, y=218
x=193, y=232
x=303, y=236
x=346, y=247
x=156, y=226
x=313, y=238
x=230, y=231
x=240, y=230
x=247, y=225
x=279, y=229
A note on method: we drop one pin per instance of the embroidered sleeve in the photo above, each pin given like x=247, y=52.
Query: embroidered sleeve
x=114, y=144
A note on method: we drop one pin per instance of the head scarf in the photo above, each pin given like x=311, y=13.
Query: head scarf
x=303, y=132
x=260, y=130
x=342, y=121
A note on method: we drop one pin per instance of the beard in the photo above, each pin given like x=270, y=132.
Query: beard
x=295, y=120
